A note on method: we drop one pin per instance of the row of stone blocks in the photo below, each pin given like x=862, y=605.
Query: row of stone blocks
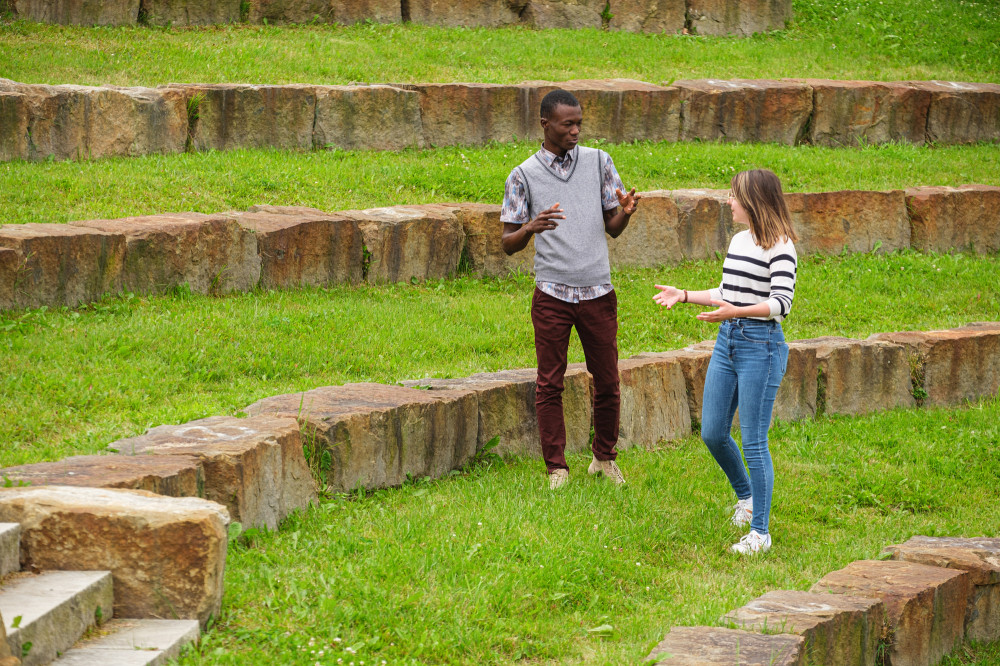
x=68, y=122
x=705, y=17
x=286, y=247
x=911, y=607
x=156, y=515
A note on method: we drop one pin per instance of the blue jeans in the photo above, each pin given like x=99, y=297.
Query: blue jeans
x=747, y=365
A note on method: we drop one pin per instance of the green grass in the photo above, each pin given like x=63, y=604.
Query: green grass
x=71, y=381
x=339, y=180
x=492, y=568
x=862, y=39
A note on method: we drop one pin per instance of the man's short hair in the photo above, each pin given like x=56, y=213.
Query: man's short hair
x=556, y=98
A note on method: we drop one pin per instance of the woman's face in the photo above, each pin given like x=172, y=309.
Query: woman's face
x=739, y=213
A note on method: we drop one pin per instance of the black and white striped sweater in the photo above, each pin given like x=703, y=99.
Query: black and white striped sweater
x=751, y=275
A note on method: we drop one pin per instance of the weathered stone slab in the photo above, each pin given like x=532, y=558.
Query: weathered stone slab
x=654, y=402
x=405, y=242
x=465, y=13
x=741, y=110
x=366, y=118
x=176, y=476
x=925, y=605
x=714, y=646
x=980, y=557
x=861, y=221
x=10, y=553
x=956, y=365
x=860, y=376
x=58, y=264
x=797, y=396
x=77, y=12
x=483, y=250
x=304, y=247
x=573, y=14
x=655, y=16
x=838, y=629
x=965, y=218
x=191, y=12
x=14, y=137
x=209, y=253
x=694, y=364
x=705, y=223
x=473, y=113
x=852, y=113
x=651, y=238
x=254, y=467
x=738, y=17
x=166, y=554
x=962, y=112
x=120, y=642
x=375, y=436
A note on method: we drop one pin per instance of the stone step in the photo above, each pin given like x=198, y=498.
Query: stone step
x=52, y=610
x=10, y=548
x=132, y=643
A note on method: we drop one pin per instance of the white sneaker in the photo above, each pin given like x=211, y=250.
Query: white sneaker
x=752, y=544
x=743, y=512
x=558, y=478
x=608, y=468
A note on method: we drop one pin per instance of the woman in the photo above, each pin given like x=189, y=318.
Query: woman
x=750, y=355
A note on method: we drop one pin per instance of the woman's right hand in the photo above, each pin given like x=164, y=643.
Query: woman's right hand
x=668, y=295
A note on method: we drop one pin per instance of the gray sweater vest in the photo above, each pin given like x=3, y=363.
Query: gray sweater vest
x=575, y=253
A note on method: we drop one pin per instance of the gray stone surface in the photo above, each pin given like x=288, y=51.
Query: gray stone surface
x=55, y=608
x=714, y=646
x=10, y=548
x=128, y=642
x=654, y=405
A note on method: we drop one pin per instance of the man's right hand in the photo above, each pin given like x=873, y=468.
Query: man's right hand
x=546, y=220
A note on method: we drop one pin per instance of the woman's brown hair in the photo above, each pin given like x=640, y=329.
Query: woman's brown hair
x=759, y=193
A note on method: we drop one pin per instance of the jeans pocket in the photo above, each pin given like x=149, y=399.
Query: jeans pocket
x=760, y=335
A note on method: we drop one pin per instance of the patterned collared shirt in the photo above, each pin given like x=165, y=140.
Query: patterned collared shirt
x=515, y=211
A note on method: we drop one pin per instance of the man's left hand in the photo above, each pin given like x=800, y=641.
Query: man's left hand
x=628, y=201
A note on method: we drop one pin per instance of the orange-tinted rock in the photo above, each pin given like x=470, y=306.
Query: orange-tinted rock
x=704, y=223
x=651, y=238
x=861, y=221
x=738, y=17
x=190, y=12
x=208, y=253
x=176, y=476
x=465, y=13
x=962, y=112
x=483, y=249
x=654, y=404
x=473, y=113
x=714, y=646
x=324, y=11
x=925, y=605
x=573, y=14
x=852, y=113
x=366, y=118
x=965, y=218
x=656, y=16
x=694, y=364
x=797, y=396
x=741, y=110
x=58, y=264
x=77, y=12
x=14, y=136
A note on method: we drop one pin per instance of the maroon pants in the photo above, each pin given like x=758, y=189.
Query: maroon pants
x=596, y=323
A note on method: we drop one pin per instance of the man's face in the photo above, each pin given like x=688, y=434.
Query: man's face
x=562, y=127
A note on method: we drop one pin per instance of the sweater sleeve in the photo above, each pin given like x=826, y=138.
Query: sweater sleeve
x=783, y=268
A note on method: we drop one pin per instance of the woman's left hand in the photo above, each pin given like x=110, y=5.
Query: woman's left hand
x=725, y=311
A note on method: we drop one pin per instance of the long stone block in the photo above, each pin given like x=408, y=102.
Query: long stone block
x=651, y=238
x=980, y=557
x=694, y=364
x=573, y=14
x=366, y=118
x=14, y=136
x=191, y=12
x=839, y=630
x=375, y=436
x=325, y=11
x=956, y=365
x=655, y=16
x=77, y=12
x=254, y=467
x=714, y=646
x=58, y=264
x=798, y=395
x=852, y=113
x=166, y=554
x=465, y=13
x=965, y=218
x=861, y=221
x=208, y=253
x=738, y=17
x=654, y=404
x=744, y=110
x=925, y=605
x=704, y=223
x=404, y=242
x=962, y=112
x=474, y=113
x=128, y=642
x=304, y=246
x=176, y=476
x=483, y=249
x=10, y=552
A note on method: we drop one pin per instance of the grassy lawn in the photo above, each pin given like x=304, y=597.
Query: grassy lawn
x=492, y=568
x=863, y=39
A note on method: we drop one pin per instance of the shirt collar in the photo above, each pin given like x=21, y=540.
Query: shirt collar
x=552, y=159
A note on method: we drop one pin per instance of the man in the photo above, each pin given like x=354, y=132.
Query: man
x=568, y=197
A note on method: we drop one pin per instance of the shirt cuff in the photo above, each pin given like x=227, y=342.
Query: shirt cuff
x=775, y=307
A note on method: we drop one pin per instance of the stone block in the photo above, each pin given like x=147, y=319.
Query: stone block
x=654, y=16
x=367, y=118
x=738, y=17
x=6, y=659
x=714, y=646
x=77, y=12
x=694, y=364
x=574, y=14
x=704, y=223
x=980, y=557
x=211, y=254
x=853, y=113
x=965, y=218
x=190, y=12
x=166, y=554
x=860, y=376
x=483, y=250
x=231, y=115
x=58, y=264
x=654, y=402
x=14, y=136
x=376, y=436
x=466, y=13
x=304, y=247
x=10, y=553
x=128, y=642
x=176, y=476
x=955, y=365
x=652, y=236
x=744, y=111
x=861, y=221
x=454, y=114
x=254, y=467
x=839, y=630
x=962, y=112
x=797, y=397
x=925, y=605
x=405, y=242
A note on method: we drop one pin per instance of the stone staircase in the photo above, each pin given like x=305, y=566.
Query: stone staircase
x=64, y=618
